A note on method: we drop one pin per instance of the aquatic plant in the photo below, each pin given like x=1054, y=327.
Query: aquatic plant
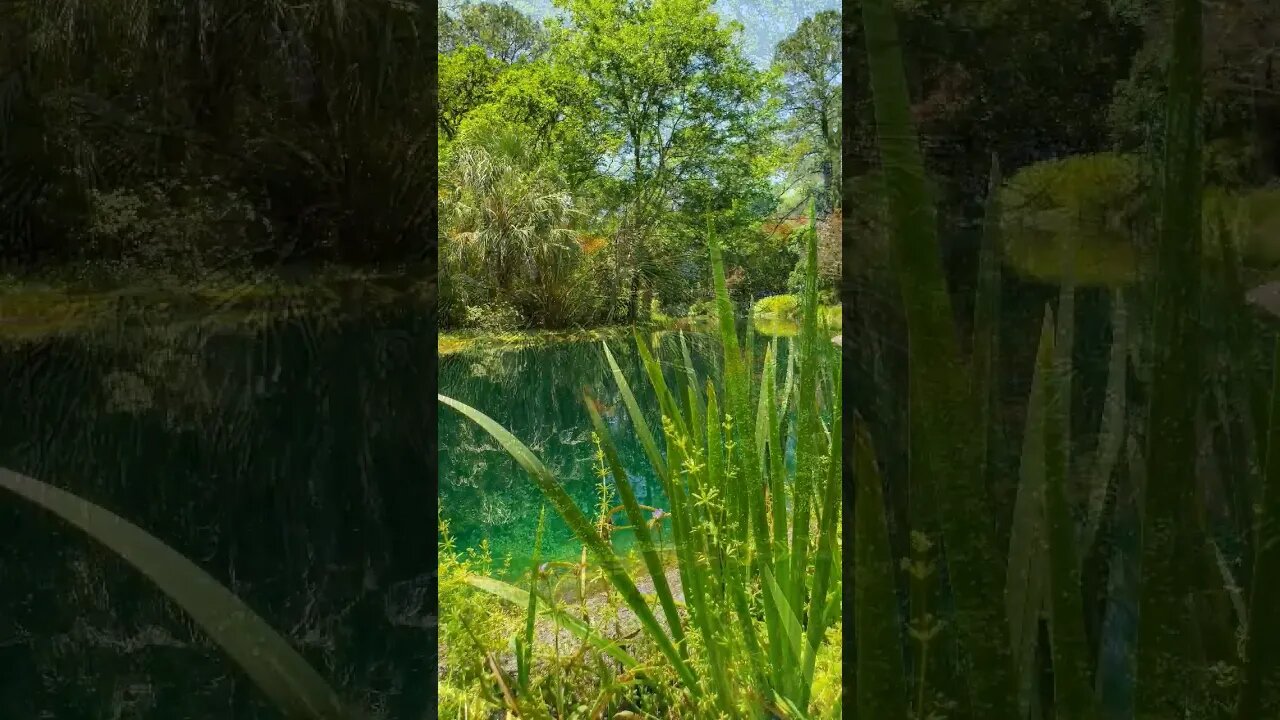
x=1186, y=662
x=754, y=539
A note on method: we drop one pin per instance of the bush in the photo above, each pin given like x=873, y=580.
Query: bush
x=472, y=624
x=1099, y=188
x=494, y=317
x=182, y=228
x=779, y=306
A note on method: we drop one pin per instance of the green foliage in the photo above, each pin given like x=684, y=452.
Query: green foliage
x=942, y=415
x=737, y=552
x=472, y=624
x=495, y=318
x=314, y=113
x=1097, y=202
x=266, y=657
x=466, y=82
x=809, y=62
x=650, y=120
x=1188, y=663
x=776, y=306
x=1094, y=188
x=500, y=30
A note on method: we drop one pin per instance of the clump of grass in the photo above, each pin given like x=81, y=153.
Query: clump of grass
x=1184, y=664
x=785, y=306
x=756, y=541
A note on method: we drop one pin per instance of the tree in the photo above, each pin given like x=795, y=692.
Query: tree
x=1241, y=86
x=809, y=60
x=675, y=96
x=499, y=29
x=467, y=76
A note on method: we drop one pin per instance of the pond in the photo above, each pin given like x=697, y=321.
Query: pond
x=287, y=457
x=537, y=394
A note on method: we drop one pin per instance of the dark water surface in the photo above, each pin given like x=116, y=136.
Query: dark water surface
x=289, y=461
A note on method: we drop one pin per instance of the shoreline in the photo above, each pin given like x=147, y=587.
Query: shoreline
x=33, y=309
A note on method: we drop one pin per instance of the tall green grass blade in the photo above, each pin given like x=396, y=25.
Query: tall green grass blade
x=1244, y=409
x=826, y=560
x=583, y=529
x=1073, y=693
x=1063, y=361
x=880, y=690
x=295, y=688
x=791, y=629
x=943, y=421
x=638, y=422
x=1112, y=435
x=752, y=526
x=522, y=669
x=986, y=317
x=695, y=408
x=735, y=585
x=670, y=406
x=1174, y=554
x=807, y=422
x=1027, y=581
x=1260, y=690
x=715, y=455
x=647, y=549
x=762, y=407
x=774, y=464
x=788, y=388
x=520, y=598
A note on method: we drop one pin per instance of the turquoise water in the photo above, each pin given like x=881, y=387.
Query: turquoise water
x=537, y=394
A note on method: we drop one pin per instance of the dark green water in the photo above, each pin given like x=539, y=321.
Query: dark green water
x=290, y=462
x=537, y=395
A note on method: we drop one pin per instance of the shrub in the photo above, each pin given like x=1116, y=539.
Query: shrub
x=1091, y=187
x=177, y=227
x=779, y=306
x=472, y=625
x=494, y=317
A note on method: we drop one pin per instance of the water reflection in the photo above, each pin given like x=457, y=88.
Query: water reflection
x=288, y=460
x=538, y=394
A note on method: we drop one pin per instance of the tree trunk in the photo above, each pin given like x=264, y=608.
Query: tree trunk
x=825, y=205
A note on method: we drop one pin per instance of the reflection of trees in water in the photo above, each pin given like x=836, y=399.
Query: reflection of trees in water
x=539, y=397
x=289, y=462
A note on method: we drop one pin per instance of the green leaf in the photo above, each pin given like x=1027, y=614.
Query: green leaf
x=1027, y=575
x=944, y=430
x=583, y=529
x=266, y=657
x=1175, y=558
x=986, y=317
x=1260, y=689
x=1112, y=434
x=880, y=691
x=1073, y=692
x=637, y=421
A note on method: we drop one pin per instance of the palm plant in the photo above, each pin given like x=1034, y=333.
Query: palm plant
x=507, y=220
x=753, y=539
